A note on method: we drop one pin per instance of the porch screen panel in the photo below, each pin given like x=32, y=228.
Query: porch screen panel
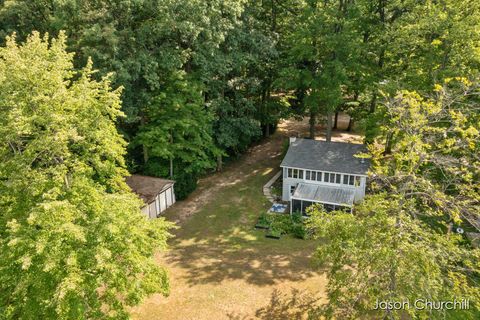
x=296, y=205
x=305, y=205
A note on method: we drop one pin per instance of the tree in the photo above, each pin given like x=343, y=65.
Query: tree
x=74, y=244
x=398, y=245
x=178, y=133
x=323, y=50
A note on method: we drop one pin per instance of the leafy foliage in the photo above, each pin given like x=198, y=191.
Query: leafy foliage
x=74, y=244
x=399, y=245
x=283, y=224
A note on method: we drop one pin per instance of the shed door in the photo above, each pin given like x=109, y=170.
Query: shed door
x=157, y=203
x=168, y=193
x=152, y=210
x=163, y=203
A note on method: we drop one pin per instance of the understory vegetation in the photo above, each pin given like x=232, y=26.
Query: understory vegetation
x=91, y=91
x=282, y=224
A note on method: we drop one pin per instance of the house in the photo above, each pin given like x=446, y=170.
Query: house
x=323, y=172
x=157, y=194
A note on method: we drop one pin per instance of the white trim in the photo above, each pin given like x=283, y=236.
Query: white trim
x=324, y=202
x=323, y=182
x=352, y=174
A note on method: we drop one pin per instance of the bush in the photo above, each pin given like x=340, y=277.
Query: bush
x=185, y=184
x=297, y=217
x=282, y=224
x=298, y=231
x=263, y=221
x=274, y=233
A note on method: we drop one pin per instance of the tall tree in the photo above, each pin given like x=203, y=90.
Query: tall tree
x=399, y=245
x=73, y=244
x=178, y=131
x=323, y=49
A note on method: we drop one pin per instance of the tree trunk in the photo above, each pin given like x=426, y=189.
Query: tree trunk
x=145, y=154
x=219, y=163
x=335, y=123
x=267, y=131
x=388, y=143
x=171, y=158
x=312, y=125
x=328, y=136
x=373, y=103
x=350, y=124
x=144, y=147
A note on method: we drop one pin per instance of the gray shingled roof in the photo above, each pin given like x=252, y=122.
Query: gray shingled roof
x=147, y=187
x=326, y=156
x=324, y=194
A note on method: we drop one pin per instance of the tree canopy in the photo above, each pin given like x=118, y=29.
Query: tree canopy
x=177, y=88
x=74, y=244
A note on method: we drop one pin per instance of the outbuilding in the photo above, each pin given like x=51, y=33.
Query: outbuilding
x=158, y=194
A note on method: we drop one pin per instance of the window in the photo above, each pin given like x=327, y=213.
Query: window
x=307, y=175
x=292, y=189
x=319, y=176
x=300, y=174
x=290, y=173
x=332, y=178
x=351, y=180
x=295, y=173
x=338, y=178
x=357, y=181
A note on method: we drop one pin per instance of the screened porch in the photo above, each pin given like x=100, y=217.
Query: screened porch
x=332, y=198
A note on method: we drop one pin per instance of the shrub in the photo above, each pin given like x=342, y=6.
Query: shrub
x=297, y=217
x=282, y=223
x=185, y=183
x=298, y=231
x=274, y=232
x=263, y=221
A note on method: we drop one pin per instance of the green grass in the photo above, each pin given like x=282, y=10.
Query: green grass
x=220, y=266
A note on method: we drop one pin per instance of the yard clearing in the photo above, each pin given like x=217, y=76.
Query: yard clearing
x=221, y=267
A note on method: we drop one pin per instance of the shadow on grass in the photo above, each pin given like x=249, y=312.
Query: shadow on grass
x=297, y=305
x=246, y=256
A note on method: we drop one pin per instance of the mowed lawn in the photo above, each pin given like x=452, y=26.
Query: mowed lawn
x=221, y=267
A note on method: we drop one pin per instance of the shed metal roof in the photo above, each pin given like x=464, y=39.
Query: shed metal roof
x=324, y=194
x=326, y=156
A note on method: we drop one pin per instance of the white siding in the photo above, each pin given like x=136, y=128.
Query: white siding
x=289, y=182
x=145, y=210
x=168, y=194
x=152, y=210
x=163, y=202
x=157, y=203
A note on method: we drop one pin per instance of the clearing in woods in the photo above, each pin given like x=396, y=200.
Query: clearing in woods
x=221, y=267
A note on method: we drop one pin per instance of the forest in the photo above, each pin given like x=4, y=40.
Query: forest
x=93, y=89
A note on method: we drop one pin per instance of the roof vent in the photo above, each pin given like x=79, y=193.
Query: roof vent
x=293, y=139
